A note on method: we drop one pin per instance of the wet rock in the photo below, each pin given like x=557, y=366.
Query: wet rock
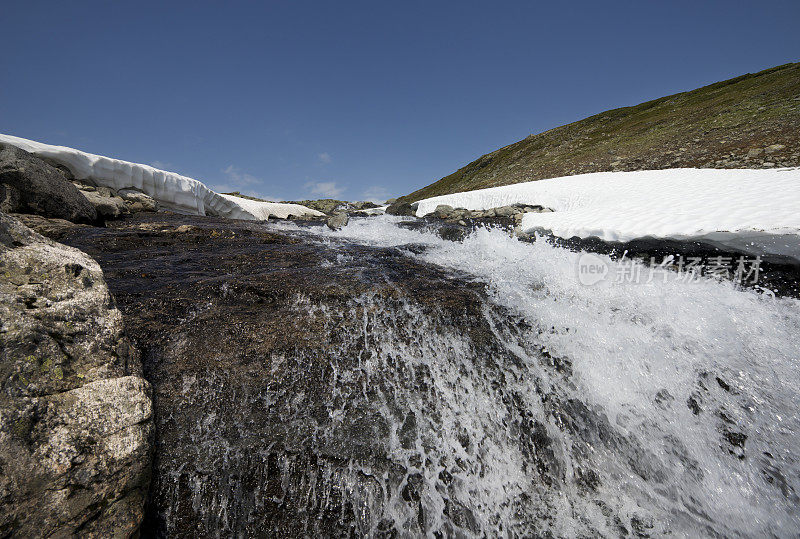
x=30, y=185
x=337, y=221
x=49, y=228
x=75, y=413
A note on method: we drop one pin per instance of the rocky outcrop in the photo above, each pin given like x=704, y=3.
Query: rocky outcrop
x=111, y=204
x=30, y=185
x=75, y=412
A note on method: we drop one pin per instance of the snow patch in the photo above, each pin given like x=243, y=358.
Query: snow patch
x=171, y=190
x=672, y=203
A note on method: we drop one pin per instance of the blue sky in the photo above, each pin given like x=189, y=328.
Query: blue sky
x=354, y=100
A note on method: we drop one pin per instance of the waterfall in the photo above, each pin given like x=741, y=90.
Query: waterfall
x=383, y=381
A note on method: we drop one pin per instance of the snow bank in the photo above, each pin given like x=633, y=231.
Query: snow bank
x=171, y=190
x=673, y=203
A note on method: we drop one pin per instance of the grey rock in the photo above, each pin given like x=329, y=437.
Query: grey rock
x=107, y=205
x=753, y=153
x=443, y=211
x=133, y=198
x=774, y=148
x=506, y=211
x=30, y=185
x=338, y=220
x=76, y=415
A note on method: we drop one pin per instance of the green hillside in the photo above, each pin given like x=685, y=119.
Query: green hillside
x=749, y=121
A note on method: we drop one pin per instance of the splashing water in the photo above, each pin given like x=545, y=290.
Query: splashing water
x=686, y=394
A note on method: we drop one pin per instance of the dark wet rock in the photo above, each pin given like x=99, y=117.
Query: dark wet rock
x=54, y=229
x=75, y=412
x=402, y=209
x=30, y=185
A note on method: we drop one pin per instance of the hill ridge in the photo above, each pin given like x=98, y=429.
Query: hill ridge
x=749, y=121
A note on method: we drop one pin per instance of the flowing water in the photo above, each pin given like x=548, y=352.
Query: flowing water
x=382, y=381
x=650, y=408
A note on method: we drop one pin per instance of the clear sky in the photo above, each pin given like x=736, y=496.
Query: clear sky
x=355, y=100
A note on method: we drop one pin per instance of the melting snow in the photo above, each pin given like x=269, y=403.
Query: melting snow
x=171, y=190
x=674, y=203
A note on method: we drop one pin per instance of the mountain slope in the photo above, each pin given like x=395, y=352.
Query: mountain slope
x=751, y=121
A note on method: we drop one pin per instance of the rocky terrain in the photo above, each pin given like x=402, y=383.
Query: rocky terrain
x=75, y=413
x=752, y=121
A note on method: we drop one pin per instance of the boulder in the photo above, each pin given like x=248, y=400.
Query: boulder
x=30, y=185
x=506, y=211
x=75, y=413
x=443, y=211
x=338, y=220
x=106, y=206
x=138, y=201
x=401, y=208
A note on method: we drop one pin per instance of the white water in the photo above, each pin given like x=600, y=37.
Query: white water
x=639, y=352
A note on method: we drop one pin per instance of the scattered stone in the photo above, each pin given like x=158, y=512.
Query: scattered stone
x=753, y=153
x=774, y=148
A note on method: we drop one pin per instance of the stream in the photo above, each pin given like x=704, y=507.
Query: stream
x=386, y=381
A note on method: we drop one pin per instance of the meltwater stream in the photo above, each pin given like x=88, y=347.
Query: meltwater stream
x=380, y=381
x=663, y=407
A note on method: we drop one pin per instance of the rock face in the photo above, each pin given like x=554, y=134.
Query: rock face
x=75, y=413
x=30, y=185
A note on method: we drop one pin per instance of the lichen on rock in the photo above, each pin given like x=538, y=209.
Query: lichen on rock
x=75, y=413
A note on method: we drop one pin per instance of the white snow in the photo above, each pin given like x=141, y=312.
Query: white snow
x=171, y=190
x=673, y=203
